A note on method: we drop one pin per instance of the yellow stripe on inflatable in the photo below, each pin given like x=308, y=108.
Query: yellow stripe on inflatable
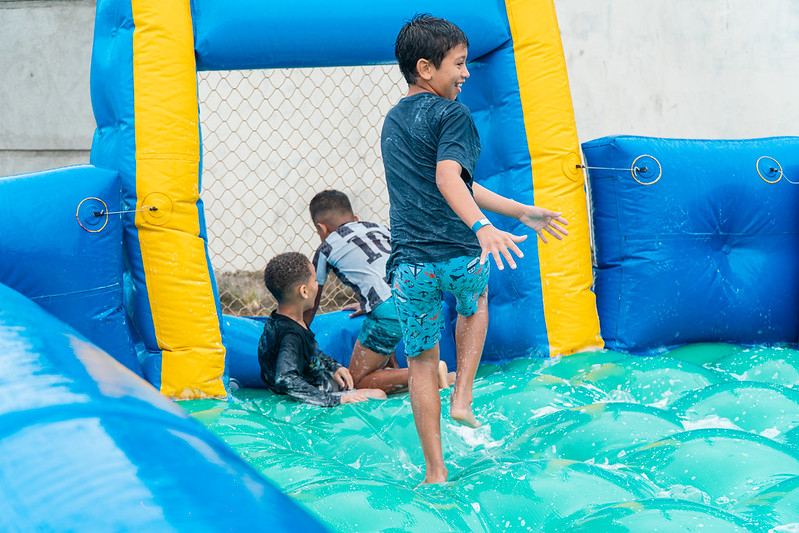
x=566, y=273
x=178, y=281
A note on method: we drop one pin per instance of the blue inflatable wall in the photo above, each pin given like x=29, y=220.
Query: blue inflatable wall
x=336, y=334
x=85, y=445
x=255, y=34
x=55, y=251
x=696, y=240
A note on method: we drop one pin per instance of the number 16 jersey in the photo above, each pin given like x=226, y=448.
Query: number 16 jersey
x=357, y=252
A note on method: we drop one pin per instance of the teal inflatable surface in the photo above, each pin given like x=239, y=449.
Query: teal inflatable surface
x=701, y=438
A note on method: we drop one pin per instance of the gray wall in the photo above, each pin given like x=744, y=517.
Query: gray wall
x=670, y=68
x=46, y=116
x=682, y=68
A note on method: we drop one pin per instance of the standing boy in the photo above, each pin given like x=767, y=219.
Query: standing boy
x=440, y=239
x=357, y=252
x=290, y=360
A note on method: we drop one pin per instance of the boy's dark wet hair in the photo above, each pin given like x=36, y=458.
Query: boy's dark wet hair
x=425, y=37
x=329, y=201
x=284, y=272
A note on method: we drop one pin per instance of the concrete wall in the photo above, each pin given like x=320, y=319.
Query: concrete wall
x=672, y=68
x=46, y=117
x=682, y=68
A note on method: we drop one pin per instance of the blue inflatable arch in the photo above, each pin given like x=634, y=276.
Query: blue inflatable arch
x=145, y=100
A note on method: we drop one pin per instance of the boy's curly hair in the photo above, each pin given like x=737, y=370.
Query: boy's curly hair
x=284, y=272
x=425, y=37
x=329, y=201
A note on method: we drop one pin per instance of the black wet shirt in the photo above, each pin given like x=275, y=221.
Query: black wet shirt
x=418, y=132
x=292, y=364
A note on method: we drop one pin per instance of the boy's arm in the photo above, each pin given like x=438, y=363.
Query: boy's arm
x=537, y=218
x=492, y=240
x=335, y=369
x=288, y=377
x=328, y=363
x=319, y=262
x=308, y=314
x=339, y=372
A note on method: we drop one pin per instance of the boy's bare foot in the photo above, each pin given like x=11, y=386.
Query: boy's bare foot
x=445, y=380
x=434, y=477
x=362, y=395
x=464, y=416
x=375, y=394
x=353, y=397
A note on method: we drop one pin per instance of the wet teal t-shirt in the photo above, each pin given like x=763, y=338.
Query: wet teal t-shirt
x=418, y=132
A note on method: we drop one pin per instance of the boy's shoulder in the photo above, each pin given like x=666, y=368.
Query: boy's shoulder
x=428, y=111
x=351, y=227
x=430, y=101
x=280, y=329
x=334, y=250
x=278, y=325
x=275, y=317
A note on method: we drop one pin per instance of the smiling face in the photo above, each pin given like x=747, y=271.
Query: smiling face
x=447, y=79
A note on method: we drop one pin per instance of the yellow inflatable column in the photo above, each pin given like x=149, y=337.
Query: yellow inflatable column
x=176, y=271
x=566, y=272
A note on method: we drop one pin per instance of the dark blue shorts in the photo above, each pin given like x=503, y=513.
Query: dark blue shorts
x=381, y=330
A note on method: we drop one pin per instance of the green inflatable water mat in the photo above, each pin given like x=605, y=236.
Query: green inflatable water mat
x=703, y=438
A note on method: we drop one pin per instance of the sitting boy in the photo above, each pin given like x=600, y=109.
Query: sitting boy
x=357, y=252
x=291, y=362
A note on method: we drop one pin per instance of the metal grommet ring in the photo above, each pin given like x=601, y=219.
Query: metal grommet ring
x=157, y=209
x=645, y=170
x=771, y=170
x=570, y=165
x=92, y=211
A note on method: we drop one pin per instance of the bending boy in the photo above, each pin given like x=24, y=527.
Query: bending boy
x=440, y=239
x=291, y=362
x=357, y=252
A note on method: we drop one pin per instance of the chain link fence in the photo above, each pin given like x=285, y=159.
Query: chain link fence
x=272, y=139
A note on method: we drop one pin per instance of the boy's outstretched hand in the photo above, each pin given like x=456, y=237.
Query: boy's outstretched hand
x=344, y=378
x=541, y=220
x=499, y=244
x=354, y=397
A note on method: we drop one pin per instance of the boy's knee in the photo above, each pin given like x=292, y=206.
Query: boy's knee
x=480, y=312
x=473, y=307
x=426, y=356
x=482, y=304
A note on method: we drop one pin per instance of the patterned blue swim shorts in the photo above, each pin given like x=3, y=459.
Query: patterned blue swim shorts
x=418, y=288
